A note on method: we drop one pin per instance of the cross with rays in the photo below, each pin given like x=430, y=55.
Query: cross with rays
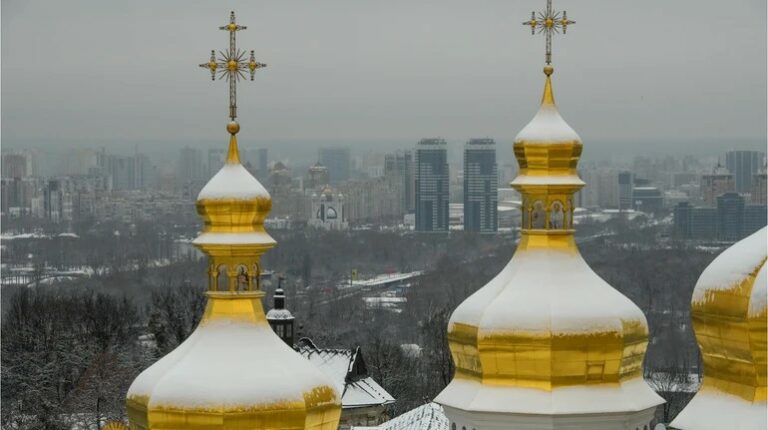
x=549, y=22
x=232, y=64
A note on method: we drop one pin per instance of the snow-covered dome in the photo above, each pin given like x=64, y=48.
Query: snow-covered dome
x=233, y=205
x=233, y=372
x=547, y=337
x=730, y=315
x=232, y=369
x=547, y=148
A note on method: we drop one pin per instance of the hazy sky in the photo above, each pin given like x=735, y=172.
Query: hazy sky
x=628, y=70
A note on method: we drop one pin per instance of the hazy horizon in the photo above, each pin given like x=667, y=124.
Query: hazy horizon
x=348, y=71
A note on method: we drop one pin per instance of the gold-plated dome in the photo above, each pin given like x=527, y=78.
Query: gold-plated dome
x=730, y=319
x=233, y=372
x=547, y=331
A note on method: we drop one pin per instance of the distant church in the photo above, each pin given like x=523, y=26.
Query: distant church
x=328, y=210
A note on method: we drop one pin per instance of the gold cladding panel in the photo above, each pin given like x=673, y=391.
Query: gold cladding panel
x=234, y=215
x=547, y=361
x=733, y=345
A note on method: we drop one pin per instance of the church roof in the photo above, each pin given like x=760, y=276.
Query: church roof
x=346, y=369
x=429, y=416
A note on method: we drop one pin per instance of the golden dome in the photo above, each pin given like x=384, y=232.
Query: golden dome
x=730, y=320
x=233, y=205
x=233, y=372
x=547, y=332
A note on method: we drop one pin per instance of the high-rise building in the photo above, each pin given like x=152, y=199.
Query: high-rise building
x=744, y=165
x=14, y=166
x=730, y=217
x=431, y=173
x=647, y=199
x=263, y=162
x=400, y=165
x=337, y=160
x=626, y=187
x=704, y=223
x=758, y=193
x=755, y=218
x=481, y=182
x=190, y=166
x=317, y=176
x=681, y=221
x=216, y=157
x=712, y=185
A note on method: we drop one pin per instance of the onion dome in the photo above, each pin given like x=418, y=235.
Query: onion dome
x=730, y=318
x=547, y=337
x=233, y=205
x=233, y=372
x=259, y=381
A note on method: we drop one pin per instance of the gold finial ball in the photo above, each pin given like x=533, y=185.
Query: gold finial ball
x=548, y=70
x=233, y=127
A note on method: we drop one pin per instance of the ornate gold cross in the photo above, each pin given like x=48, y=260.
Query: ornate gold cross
x=232, y=64
x=549, y=22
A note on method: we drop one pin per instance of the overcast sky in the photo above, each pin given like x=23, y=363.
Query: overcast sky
x=628, y=70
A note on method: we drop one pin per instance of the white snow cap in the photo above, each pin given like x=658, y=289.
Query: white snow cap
x=547, y=291
x=719, y=411
x=254, y=367
x=233, y=182
x=547, y=126
x=759, y=299
x=733, y=265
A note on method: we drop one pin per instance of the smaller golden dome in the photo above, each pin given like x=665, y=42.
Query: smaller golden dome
x=547, y=148
x=730, y=319
x=233, y=204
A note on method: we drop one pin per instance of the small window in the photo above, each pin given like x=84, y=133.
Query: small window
x=595, y=370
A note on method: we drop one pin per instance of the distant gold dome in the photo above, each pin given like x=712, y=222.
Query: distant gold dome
x=547, y=333
x=730, y=319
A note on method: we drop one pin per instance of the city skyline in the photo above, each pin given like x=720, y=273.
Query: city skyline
x=342, y=72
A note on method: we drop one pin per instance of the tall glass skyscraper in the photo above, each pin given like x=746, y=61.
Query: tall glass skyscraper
x=481, y=182
x=744, y=165
x=337, y=160
x=431, y=185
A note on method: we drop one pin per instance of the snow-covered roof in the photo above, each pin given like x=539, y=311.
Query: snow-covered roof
x=732, y=266
x=547, y=126
x=758, y=300
x=426, y=417
x=543, y=291
x=279, y=314
x=715, y=410
x=346, y=369
x=233, y=181
x=186, y=378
